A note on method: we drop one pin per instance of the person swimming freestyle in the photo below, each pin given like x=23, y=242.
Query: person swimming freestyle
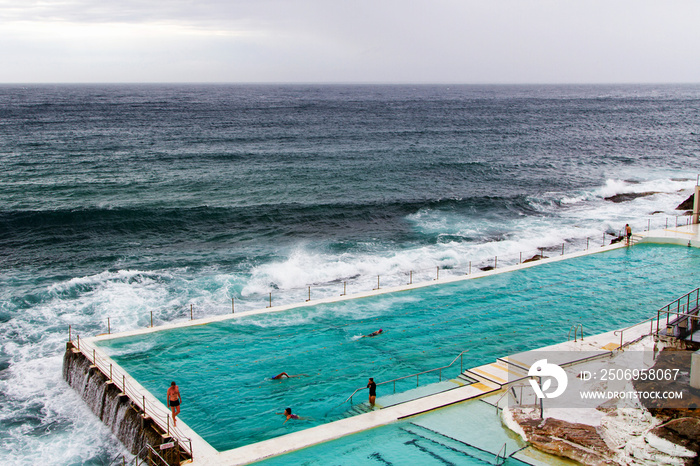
x=284, y=374
x=373, y=334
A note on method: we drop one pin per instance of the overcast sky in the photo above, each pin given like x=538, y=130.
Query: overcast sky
x=375, y=41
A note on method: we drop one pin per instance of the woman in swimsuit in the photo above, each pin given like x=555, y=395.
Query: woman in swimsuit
x=288, y=414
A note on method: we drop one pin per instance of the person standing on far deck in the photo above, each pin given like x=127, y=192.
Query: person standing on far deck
x=174, y=400
x=372, y=391
x=628, y=232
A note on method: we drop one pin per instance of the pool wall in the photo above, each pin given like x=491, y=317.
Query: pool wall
x=117, y=411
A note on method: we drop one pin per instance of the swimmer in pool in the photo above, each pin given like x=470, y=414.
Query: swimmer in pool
x=373, y=334
x=288, y=414
x=284, y=374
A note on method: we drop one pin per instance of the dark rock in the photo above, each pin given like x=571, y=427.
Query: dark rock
x=623, y=197
x=617, y=239
x=534, y=258
x=687, y=204
x=579, y=442
x=488, y=267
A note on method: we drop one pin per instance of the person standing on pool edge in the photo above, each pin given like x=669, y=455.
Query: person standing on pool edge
x=628, y=233
x=372, y=391
x=174, y=400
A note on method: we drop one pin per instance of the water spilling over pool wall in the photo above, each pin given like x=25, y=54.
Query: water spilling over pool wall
x=113, y=408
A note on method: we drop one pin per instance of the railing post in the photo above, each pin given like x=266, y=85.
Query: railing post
x=233, y=309
x=495, y=262
x=470, y=268
x=345, y=284
x=521, y=258
x=270, y=299
x=437, y=273
x=78, y=336
x=123, y=383
x=587, y=239
x=309, y=295
x=94, y=359
x=649, y=224
x=410, y=277
x=658, y=319
x=109, y=327
x=151, y=319
x=562, y=248
x=70, y=337
x=110, y=371
x=603, y=239
x=191, y=311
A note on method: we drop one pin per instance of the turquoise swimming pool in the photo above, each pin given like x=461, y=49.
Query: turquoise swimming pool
x=224, y=369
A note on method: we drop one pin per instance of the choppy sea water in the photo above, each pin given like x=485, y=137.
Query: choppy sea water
x=119, y=201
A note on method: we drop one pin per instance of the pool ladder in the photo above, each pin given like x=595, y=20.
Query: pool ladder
x=501, y=459
x=575, y=328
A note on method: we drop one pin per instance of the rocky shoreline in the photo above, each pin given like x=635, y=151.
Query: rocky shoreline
x=620, y=431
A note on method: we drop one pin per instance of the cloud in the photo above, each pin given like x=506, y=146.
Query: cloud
x=360, y=41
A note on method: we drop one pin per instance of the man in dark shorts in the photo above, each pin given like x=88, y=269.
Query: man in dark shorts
x=628, y=233
x=372, y=391
x=174, y=401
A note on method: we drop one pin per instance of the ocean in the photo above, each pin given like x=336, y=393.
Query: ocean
x=124, y=201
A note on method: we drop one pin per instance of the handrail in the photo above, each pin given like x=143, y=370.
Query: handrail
x=153, y=451
x=575, y=328
x=664, y=310
x=160, y=418
x=459, y=356
x=501, y=459
x=622, y=331
x=136, y=456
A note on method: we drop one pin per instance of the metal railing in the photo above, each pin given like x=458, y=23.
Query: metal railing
x=154, y=410
x=501, y=459
x=422, y=275
x=682, y=310
x=460, y=356
x=153, y=458
x=575, y=328
x=682, y=306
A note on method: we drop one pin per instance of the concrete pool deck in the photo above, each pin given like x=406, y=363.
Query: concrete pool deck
x=489, y=378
